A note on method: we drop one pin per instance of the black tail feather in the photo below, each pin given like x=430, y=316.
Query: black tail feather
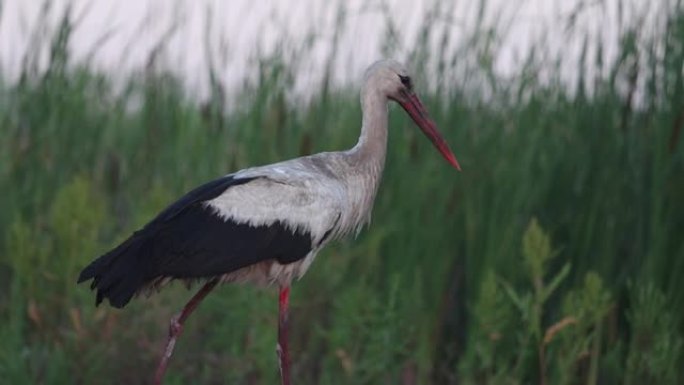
x=127, y=269
x=117, y=275
x=190, y=240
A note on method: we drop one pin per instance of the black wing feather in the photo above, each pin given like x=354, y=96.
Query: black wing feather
x=189, y=240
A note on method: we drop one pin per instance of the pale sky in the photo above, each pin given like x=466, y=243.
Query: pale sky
x=245, y=27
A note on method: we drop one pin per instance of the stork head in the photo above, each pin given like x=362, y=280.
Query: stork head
x=392, y=79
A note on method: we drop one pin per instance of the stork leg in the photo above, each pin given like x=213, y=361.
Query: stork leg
x=176, y=328
x=283, y=353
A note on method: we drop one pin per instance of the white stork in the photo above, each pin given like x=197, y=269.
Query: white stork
x=263, y=224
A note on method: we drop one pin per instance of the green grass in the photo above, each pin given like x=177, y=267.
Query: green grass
x=555, y=257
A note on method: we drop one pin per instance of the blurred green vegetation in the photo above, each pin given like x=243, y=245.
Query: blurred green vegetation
x=556, y=257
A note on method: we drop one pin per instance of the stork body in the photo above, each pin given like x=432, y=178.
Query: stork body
x=264, y=224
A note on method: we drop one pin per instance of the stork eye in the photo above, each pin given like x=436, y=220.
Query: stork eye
x=406, y=81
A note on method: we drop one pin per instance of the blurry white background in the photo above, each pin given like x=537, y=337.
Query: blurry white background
x=118, y=35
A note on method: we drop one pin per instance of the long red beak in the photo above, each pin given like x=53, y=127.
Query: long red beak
x=410, y=102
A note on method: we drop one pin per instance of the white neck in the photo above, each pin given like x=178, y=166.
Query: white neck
x=372, y=145
x=364, y=162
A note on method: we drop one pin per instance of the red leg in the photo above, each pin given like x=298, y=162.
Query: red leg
x=283, y=353
x=176, y=328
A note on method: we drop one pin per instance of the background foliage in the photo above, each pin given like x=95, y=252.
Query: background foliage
x=556, y=257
